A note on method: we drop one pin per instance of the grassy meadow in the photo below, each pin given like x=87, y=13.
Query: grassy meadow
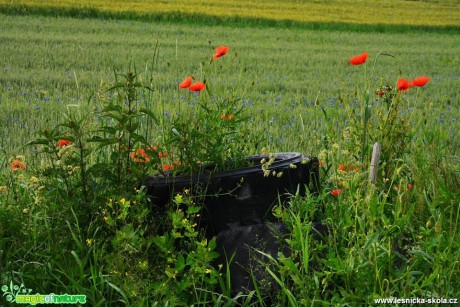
x=68, y=226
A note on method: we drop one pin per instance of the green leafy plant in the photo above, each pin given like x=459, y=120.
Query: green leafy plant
x=188, y=275
x=206, y=134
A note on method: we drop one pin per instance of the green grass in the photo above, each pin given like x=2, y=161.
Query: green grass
x=299, y=92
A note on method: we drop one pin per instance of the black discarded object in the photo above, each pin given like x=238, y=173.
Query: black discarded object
x=242, y=196
x=245, y=253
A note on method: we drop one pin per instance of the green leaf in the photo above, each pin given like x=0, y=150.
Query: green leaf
x=180, y=264
x=212, y=243
x=149, y=113
x=138, y=138
x=163, y=243
x=193, y=209
x=116, y=86
x=38, y=142
x=372, y=238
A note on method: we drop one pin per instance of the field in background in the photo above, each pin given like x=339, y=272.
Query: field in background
x=49, y=63
x=420, y=14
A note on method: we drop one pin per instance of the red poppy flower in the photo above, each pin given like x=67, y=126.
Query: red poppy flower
x=168, y=167
x=197, y=86
x=140, y=156
x=18, y=165
x=342, y=167
x=62, y=143
x=186, y=83
x=336, y=192
x=403, y=85
x=221, y=51
x=421, y=81
x=359, y=59
x=410, y=186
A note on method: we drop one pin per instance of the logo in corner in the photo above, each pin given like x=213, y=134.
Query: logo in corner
x=22, y=295
x=13, y=290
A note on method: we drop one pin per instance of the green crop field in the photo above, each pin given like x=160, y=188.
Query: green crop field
x=51, y=62
x=68, y=224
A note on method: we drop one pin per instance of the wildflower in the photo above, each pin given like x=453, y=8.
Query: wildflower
x=383, y=90
x=336, y=192
x=33, y=180
x=197, y=86
x=342, y=167
x=139, y=156
x=89, y=241
x=221, y=51
x=410, y=186
x=18, y=164
x=63, y=143
x=143, y=265
x=207, y=271
x=3, y=189
x=403, y=85
x=186, y=83
x=421, y=81
x=179, y=199
x=359, y=59
x=162, y=155
x=226, y=116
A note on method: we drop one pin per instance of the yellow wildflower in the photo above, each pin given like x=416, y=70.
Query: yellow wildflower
x=178, y=199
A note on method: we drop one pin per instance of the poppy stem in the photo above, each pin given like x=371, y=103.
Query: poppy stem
x=366, y=116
